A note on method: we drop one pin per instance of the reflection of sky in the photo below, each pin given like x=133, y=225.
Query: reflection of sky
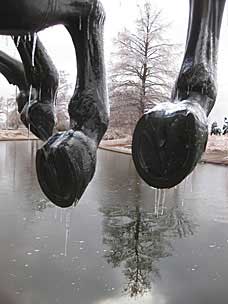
x=147, y=299
x=33, y=265
x=122, y=13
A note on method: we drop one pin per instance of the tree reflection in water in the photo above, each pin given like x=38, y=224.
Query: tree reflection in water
x=137, y=239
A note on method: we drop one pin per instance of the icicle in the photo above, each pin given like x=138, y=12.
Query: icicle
x=40, y=94
x=34, y=48
x=55, y=98
x=30, y=95
x=155, y=200
x=61, y=215
x=29, y=37
x=29, y=130
x=88, y=22
x=177, y=96
x=66, y=239
x=182, y=202
x=75, y=203
x=190, y=181
x=52, y=95
x=80, y=23
x=29, y=102
x=67, y=226
x=163, y=201
x=188, y=91
x=56, y=213
x=159, y=200
x=18, y=41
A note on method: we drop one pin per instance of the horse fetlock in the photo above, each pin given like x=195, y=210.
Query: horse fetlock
x=88, y=112
x=97, y=12
x=200, y=78
x=26, y=96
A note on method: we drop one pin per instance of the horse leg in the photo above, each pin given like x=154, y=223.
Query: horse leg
x=35, y=103
x=169, y=140
x=66, y=163
x=13, y=71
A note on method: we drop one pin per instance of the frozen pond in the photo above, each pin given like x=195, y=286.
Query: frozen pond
x=123, y=243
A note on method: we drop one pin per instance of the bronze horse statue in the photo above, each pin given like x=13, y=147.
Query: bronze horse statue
x=168, y=140
x=66, y=162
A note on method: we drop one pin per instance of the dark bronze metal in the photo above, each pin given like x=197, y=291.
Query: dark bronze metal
x=66, y=162
x=169, y=140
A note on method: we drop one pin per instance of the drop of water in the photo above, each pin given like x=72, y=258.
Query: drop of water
x=212, y=246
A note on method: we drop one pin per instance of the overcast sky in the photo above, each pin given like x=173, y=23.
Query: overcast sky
x=122, y=13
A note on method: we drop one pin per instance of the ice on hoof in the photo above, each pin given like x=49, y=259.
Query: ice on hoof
x=65, y=165
x=168, y=142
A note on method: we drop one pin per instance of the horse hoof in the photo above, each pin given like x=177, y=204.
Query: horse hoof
x=65, y=165
x=168, y=142
x=39, y=118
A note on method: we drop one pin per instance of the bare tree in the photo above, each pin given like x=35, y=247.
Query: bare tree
x=9, y=116
x=142, y=69
x=62, y=101
x=13, y=117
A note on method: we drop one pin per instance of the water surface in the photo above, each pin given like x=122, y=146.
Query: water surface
x=123, y=243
